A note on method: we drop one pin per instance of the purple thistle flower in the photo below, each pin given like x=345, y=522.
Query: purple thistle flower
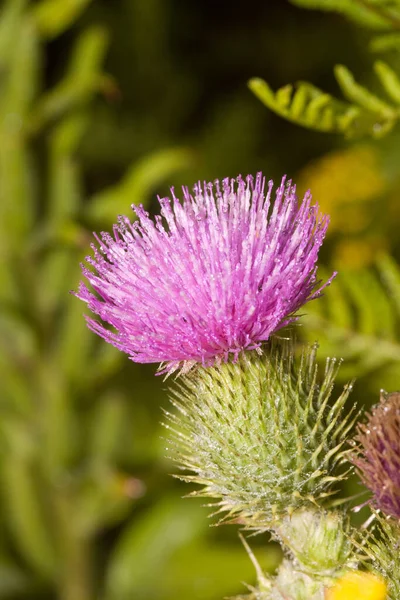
x=209, y=277
x=378, y=454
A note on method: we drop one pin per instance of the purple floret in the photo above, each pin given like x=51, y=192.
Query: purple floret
x=378, y=455
x=209, y=277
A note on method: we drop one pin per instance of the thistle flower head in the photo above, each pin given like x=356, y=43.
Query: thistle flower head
x=209, y=277
x=259, y=435
x=378, y=455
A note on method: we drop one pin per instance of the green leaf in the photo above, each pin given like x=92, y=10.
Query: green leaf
x=22, y=77
x=370, y=14
x=358, y=319
x=308, y=107
x=24, y=513
x=64, y=189
x=106, y=425
x=105, y=362
x=17, y=184
x=359, y=95
x=17, y=338
x=16, y=195
x=213, y=570
x=105, y=499
x=11, y=17
x=142, y=178
x=146, y=547
x=15, y=387
x=389, y=80
x=53, y=17
x=83, y=79
x=61, y=236
x=385, y=42
x=71, y=328
x=390, y=274
x=13, y=580
x=58, y=421
x=58, y=271
x=363, y=114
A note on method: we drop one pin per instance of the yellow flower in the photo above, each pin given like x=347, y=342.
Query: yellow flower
x=356, y=253
x=356, y=585
x=358, y=179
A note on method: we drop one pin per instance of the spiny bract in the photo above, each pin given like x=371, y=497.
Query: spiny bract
x=259, y=434
x=382, y=548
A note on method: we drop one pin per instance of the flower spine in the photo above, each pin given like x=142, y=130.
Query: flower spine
x=381, y=548
x=259, y=435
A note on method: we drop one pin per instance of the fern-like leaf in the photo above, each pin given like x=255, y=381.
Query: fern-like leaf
x=385, y=42
x=373, y=14
x=377, y=15
x=364, y=113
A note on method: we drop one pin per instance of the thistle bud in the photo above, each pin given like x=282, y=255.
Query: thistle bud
x=259, y=435
x=290, y=582
x=378, y=455
x=294, y=584
x=317, y=539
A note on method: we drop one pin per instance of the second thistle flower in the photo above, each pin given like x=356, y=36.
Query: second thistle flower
x=211, y=276
x=378, y=456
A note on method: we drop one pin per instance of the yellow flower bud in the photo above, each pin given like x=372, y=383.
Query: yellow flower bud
x=356, y=585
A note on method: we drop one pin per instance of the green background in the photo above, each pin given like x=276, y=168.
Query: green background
x=108, y=103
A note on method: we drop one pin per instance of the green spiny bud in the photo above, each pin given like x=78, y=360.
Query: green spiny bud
x=294, y=579
x=292, y=583
x=318, y=540
x=289, y=582
x=259, y=434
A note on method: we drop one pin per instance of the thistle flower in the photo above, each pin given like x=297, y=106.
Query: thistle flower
x=378, y=455
x=210, y=277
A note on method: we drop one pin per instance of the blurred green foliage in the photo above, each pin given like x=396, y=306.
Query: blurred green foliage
x=104, y=104
x=364, y=113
